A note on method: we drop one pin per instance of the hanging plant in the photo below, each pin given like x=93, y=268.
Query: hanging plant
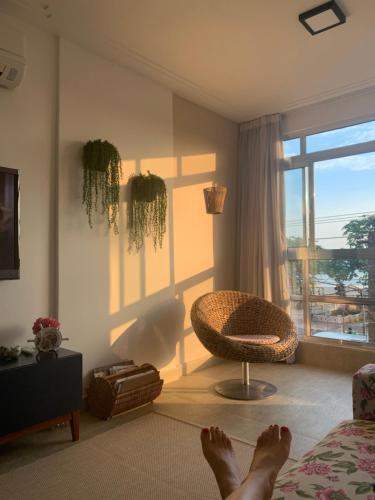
x=101, y=179
x=147, y=210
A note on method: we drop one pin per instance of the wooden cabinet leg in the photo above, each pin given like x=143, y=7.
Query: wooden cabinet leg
x=74, y=425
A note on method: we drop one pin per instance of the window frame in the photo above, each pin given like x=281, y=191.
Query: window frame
x=309, y=252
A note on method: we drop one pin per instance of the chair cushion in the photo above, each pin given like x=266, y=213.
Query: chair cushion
x=255, y=339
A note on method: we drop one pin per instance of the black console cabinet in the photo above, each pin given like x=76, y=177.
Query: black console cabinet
x=38, y=393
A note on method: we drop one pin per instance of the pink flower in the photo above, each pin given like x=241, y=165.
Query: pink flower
x=334, y=479
x=366, y=448
x=367, y=465
x=333, y=444
x=315, y=468
x=289, y=487
x=352, y=431
x=45, y=323
x=330, y=494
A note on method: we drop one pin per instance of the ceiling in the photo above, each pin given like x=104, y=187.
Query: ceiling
x=240, y=58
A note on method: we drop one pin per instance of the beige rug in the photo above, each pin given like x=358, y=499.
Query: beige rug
x=153, y=457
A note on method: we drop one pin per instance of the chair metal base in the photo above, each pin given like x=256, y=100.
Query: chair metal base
x=237, y=389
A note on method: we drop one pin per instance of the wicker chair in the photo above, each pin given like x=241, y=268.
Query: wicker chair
x=243, y=327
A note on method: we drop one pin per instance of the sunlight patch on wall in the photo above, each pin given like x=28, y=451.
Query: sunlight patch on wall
x=157, y=265
x=163, y=167
x=193, y=232
x=128, y=169
x=117, y=332
x=198, y=164
x=114, y=273
x=191, y=294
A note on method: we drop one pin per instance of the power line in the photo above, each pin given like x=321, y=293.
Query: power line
x=338, y=216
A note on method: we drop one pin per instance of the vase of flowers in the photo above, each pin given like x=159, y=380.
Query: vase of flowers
x=47, y=335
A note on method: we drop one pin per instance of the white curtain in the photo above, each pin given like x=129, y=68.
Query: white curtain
x=261, y=251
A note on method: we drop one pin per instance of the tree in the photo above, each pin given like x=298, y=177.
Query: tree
x=360, y=233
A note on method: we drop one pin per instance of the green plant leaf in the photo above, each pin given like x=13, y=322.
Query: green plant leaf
x=147, y=210
x=302, y=494
x=101, y=180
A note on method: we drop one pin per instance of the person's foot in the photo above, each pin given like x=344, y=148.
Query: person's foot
x=218, y=451
x=270, y=455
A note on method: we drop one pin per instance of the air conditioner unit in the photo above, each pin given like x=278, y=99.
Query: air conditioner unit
x=12, y=57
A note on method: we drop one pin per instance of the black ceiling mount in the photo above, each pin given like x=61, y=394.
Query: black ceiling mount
x=322, y=18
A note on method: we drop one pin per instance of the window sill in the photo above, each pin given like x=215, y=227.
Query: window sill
x=351, y=345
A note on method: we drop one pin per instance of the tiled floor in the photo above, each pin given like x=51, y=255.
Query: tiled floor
x=310, y=401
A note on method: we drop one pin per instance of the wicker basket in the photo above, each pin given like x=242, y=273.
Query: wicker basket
x=110, y=395
x=215, y=198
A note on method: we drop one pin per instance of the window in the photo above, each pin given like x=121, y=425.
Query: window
x=355, y=134
x=330, y=230
x=292, y=147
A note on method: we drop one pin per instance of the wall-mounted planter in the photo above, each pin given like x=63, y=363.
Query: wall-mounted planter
x=147, y=210
x=101, y=180
x=215, y=199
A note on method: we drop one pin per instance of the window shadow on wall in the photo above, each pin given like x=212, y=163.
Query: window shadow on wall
x=151, y=293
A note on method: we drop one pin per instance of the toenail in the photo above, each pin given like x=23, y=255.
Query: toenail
x=284, y=428
x=205, y=430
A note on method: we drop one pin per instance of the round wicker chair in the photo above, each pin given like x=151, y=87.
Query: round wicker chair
x=243, y=327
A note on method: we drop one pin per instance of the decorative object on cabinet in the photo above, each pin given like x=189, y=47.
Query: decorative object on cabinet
x=101, y=178
x=47, y=335
x=215, y=197
x=9, y=353
x=147, y=210
x=48, y=339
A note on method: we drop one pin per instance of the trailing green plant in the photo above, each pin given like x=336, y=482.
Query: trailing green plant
x=147, y=210
x=101, y=180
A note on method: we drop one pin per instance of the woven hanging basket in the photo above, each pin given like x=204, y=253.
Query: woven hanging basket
x=215, y=198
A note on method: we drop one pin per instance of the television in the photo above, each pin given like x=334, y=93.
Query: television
x=9, y=224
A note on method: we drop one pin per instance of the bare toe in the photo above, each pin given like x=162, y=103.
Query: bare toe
x=205, y=437
x=218, y=451
x=285, y=436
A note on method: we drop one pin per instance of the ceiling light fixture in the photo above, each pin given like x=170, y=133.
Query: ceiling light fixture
x=322, y=18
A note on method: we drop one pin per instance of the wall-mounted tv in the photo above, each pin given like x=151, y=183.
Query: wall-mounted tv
x=9, y=224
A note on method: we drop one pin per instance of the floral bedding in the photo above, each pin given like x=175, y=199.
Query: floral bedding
x=340, y=467
x=364, y=393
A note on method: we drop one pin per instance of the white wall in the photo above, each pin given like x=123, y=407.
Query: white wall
x=28, y=124
x=113, y=304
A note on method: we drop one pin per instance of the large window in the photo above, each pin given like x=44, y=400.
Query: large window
x=330, y=229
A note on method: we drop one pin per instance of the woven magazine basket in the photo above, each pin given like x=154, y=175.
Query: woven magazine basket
x=106, y=397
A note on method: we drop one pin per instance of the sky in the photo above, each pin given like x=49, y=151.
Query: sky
x=344, y=187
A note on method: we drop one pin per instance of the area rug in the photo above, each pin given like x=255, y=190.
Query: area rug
x=153, y=457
